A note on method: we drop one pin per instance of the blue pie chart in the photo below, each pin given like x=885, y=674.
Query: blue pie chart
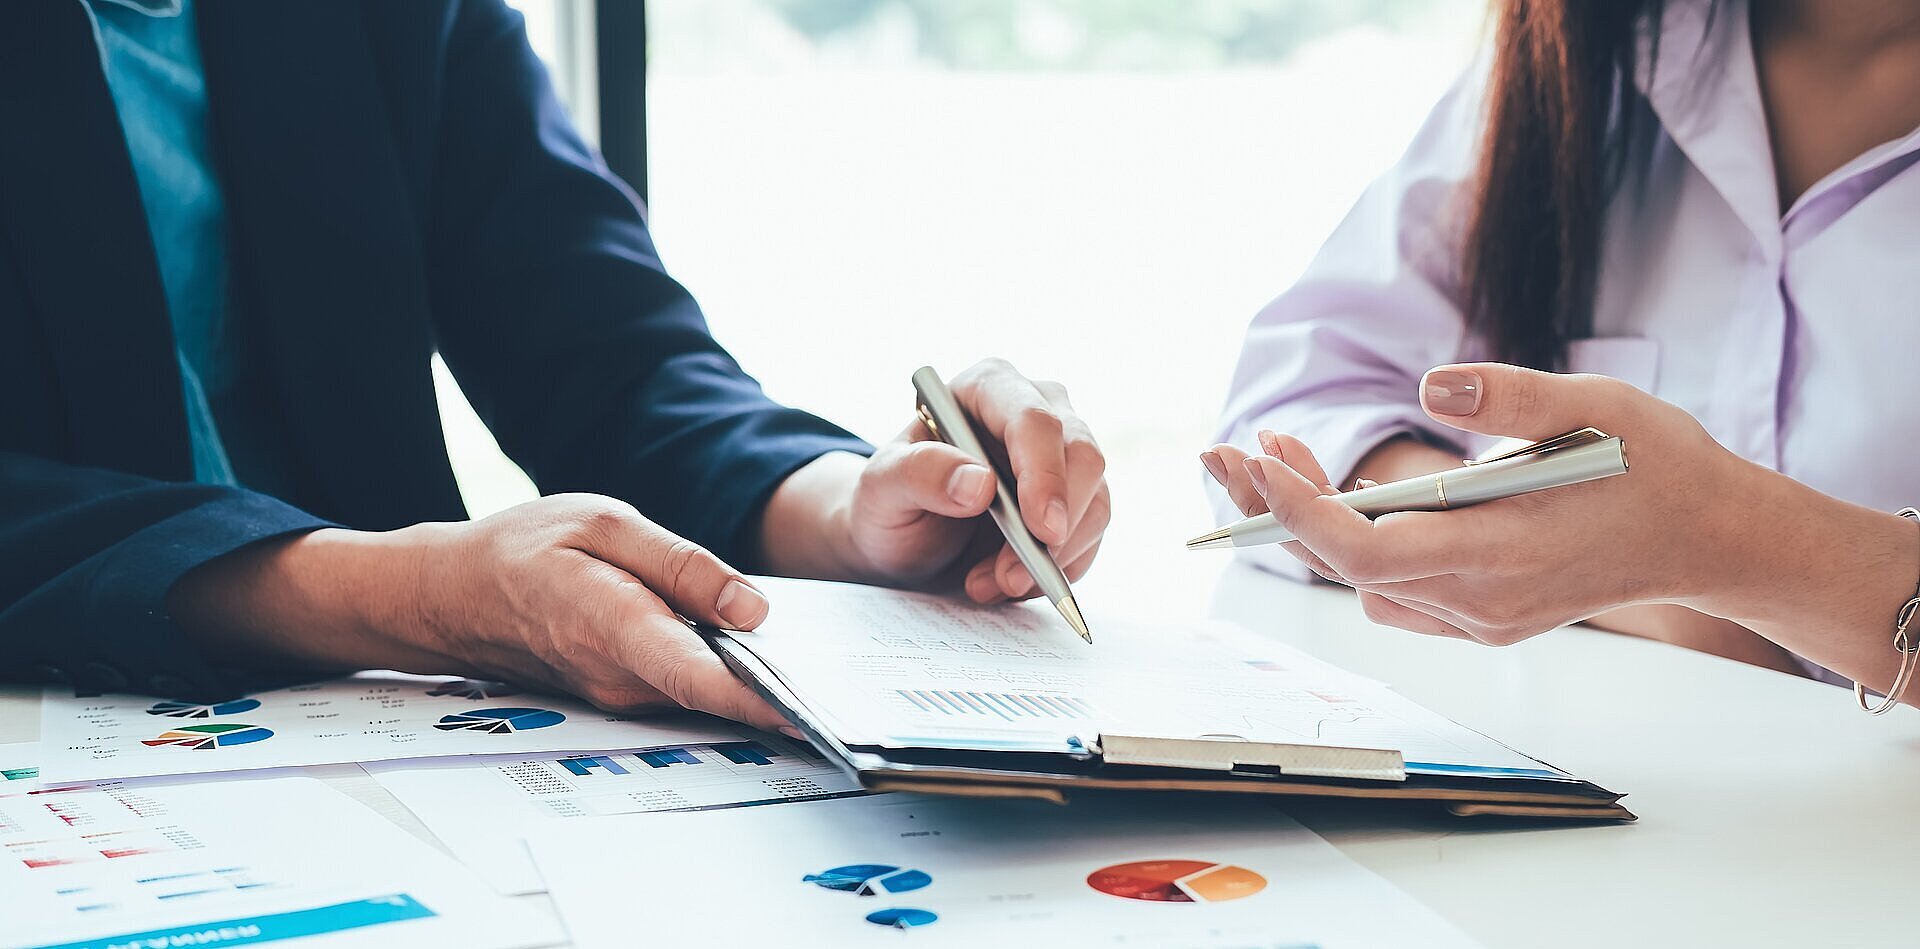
x=500, y=721
x=869, y=879
x=903, y=918
x=203, y=710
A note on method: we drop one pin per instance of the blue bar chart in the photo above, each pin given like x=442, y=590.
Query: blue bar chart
x=666, y=757
x=586, y=765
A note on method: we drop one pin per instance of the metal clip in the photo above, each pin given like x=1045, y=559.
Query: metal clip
x=1573, y=439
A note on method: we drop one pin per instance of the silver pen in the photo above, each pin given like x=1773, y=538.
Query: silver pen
x=940, y=412
x=1586, y=455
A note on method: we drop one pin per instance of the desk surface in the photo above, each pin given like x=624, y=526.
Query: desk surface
x=1772, y=812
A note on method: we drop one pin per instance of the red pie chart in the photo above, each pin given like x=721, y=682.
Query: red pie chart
x=1177, y=881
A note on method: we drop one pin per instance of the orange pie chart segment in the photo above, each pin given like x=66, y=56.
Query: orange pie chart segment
x=1177, y=881
x=1222, y=883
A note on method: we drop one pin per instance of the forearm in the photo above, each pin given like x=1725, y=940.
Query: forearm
x=1820, y=576
x=330, y=599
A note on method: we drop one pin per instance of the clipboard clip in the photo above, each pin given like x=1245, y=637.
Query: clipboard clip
x=1573, y=439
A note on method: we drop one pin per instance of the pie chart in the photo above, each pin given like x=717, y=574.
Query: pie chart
x=903, y=918
x=473, y=689
x=870, y=879
x=198, y=710
x=500, y=721
x=209, y=736
x=1177, y=881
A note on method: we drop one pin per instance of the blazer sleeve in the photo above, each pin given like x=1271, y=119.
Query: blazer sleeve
x=1336, y=360
x=87, y=557
x=594, y=368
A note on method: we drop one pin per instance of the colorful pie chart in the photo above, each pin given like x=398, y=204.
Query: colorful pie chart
x=203, y=710
x=210, y=735
x=1177, y=881
x=500, y=721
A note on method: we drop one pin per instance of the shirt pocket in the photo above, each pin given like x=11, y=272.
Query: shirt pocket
x=1634, y=360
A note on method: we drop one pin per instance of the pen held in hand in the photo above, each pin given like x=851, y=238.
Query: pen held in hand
x=944, y=417
x=1576, y=457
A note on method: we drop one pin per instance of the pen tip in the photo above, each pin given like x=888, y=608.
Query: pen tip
x=1071, y=610
x=1211, y=539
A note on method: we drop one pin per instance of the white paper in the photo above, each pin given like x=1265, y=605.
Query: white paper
x=368, y=717
x=905, y=670
x=1227, y=873
x=235, y=863
x=482, y=809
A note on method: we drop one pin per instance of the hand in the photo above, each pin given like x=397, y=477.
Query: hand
x=577, y=593
x=912, y=515
x=1669, y=531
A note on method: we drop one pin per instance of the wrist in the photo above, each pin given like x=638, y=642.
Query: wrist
x=1804, y=564
x=332, y=598
x=806, y=528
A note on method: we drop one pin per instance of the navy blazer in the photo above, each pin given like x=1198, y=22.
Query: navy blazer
x=400, y=181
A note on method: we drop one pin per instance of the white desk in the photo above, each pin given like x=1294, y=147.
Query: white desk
x=1772, y=813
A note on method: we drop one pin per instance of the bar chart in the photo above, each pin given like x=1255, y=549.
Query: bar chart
x=1006, y=706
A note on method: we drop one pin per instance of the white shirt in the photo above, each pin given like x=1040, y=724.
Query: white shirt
x=1793, y=337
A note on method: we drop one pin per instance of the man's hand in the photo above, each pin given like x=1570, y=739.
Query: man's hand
x=577, y=593
x=912, y=514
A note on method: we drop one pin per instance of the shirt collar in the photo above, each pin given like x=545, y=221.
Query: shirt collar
x=1704, y=88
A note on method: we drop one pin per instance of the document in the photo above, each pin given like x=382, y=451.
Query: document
x=373, y=716
x=1138, y=871
x=235, y=863
x=483, y=809
x=899, y=670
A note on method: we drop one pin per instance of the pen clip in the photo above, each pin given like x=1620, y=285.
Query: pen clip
x=926, y=418
x=1573, y=439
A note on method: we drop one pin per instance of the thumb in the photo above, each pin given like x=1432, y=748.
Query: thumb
x=1493, y=398
x=913, y=479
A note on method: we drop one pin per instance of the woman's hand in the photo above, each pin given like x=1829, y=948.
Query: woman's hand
x=912, y=514
x=576, y=593
x=1677, y=528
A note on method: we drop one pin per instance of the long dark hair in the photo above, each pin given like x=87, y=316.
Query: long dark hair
x=1554, y=136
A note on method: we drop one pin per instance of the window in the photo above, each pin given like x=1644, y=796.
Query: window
x=1102, y=191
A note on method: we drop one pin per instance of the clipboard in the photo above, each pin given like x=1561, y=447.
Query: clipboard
x=1131, y=762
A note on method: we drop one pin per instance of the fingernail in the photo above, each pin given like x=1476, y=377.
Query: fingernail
x=1270, y=443
x=1360, y=483
x=1019, y=581
x=967, y=482
x=1215, y=465
x=741, y=606
x=1258, y=474
x=793, y=733
x=1056, y=521
x=1451, y=392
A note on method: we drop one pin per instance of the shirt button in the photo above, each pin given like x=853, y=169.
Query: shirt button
x=101, y=677
x=53, y=674
x=171, y=686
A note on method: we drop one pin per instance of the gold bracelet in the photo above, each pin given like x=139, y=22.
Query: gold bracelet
x=1908, y=648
